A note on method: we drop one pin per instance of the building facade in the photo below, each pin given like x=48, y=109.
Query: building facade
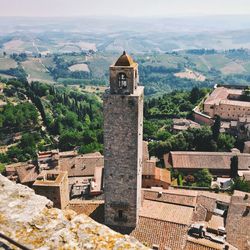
x=123, y=128
x=227, y=102
x=53, y=185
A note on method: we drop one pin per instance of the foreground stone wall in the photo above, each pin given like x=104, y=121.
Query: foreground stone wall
x=30, y=220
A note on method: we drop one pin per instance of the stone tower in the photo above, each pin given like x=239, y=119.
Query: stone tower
x=123, y=128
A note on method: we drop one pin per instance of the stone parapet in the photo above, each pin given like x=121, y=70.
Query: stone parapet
x=30, y=220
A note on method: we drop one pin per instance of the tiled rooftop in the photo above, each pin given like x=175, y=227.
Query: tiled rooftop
x=83, y=165
x=215, y=222
x=221, y=93
x=166, y=212
x=210, y=160
x=178, y=197
x=238, y=221
x=162, y=233
x=201, y=244
x=94, y=209
x=25, y=172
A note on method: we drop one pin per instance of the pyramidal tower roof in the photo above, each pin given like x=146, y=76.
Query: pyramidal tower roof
x=124, y=60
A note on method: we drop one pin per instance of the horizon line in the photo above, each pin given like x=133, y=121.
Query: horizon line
x=132, y=17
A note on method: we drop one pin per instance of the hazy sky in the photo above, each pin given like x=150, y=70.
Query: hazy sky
x=122, y=8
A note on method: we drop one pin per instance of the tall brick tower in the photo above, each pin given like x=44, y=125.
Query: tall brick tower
x=123, y=128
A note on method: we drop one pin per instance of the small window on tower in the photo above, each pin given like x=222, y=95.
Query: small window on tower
x=122, y=80
x=120, y=214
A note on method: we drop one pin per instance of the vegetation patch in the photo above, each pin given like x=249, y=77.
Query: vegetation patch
x=79, y=67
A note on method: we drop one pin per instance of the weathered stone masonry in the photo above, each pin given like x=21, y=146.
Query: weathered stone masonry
x=123, y=128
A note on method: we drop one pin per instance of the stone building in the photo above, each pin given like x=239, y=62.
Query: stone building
x=153, y=176
x=123, y=128
x=85, y=174
x=218, y=163
x=53, y=185
x=227, y=102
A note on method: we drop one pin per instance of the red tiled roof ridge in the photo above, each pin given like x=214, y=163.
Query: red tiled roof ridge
x=89, y=157
x=176, y=223
x=205, y=243
x=84, y=202
x=171, y=203
x=208, y=153
x=190, y=193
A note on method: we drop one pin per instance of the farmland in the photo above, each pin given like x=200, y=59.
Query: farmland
x=159, y=72
x=36, y=71
x=7, y=63
x=79, y=67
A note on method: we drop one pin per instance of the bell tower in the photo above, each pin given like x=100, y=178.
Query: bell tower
x=123, y=128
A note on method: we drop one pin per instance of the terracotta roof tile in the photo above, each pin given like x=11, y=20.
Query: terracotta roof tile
x=124, y=60
x=223, y=197
x=178, y=197
x=166, y=212
x=162, y=233
x=215, y=222
x=94, y=209
x=201, y=244
x=26, y=172
x=210, y=160
x=83, y=165
x=148, y=168
x=238, y=221
x=163, y=175
x=221, y=93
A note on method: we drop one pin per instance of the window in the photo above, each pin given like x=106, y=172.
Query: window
x=122, y=80
x=120, y=214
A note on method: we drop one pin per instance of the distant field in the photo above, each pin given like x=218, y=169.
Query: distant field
x=87, y=46
x=36, y=71
x=220, y=62
x=7, y=63
x=94, y=89
x=167, y=60
x=6, y=76
x=14, y=45
x=18, y=46
x=216, y=61
x=79, y=67
x=99, y=64
x=189, y=74
x=48, y=62
x=233, y=68
x=77, y=59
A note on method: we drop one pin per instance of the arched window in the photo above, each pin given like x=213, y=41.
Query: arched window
x=122, y=80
